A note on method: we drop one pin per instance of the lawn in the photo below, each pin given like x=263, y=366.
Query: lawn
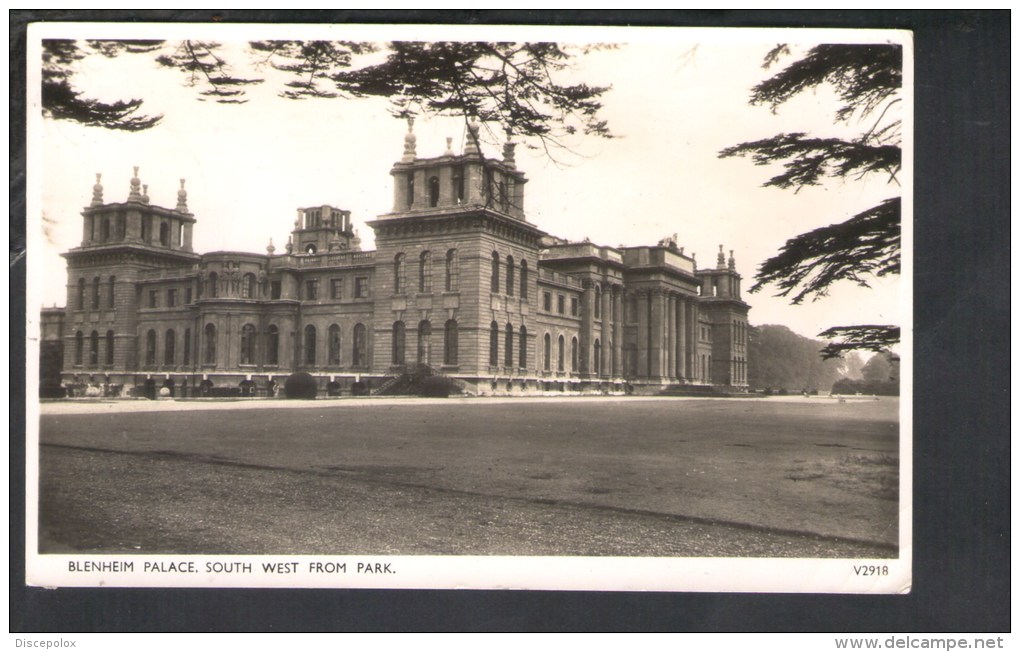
x=603, y=476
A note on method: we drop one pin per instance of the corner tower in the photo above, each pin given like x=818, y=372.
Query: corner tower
x=456, y=265
x=122, y=242
x=726, y=313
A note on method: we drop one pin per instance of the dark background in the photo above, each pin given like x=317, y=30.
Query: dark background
x=961, y=380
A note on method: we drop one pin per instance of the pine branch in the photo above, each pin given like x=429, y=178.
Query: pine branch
x=876, y=338
x=866, y=245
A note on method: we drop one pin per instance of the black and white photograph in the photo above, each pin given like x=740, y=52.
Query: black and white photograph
x=466, y=306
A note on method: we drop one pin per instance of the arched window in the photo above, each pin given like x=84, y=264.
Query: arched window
x=547, y=352
x=495, y=272
x=95, y=293
x=187, y=346
x=150, y=348
x=522, y=356
x=360, y=358
x=450, y=343
x=425, y=272
x=79, y=344
x=109, y=347
x=169, y=347
x=310, y=248
x=164, y=234
x=510, y=275
x=524, y=279
x=309, y=345
x=597, y=367
x=111, y=295
x=424, y=341
x=451, y=270
x=81, y=294
x=458, y=184
x=508, y=343
x=248, y=286
x=559, y=354
x=94, y=349
x=433, y=191
x=210, y=344
x=106, y=229
x=493, y=344
x=398, y=273
x=334, y=345
x=273, y=345
x=573, y=353
x=213, y=281
x=248, y=344
x=399, y=340
x=598, y=302
x=410, y=190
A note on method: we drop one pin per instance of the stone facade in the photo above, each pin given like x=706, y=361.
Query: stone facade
x=460, y=281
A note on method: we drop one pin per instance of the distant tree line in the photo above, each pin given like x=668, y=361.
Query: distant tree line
x=880, y=376
x=784, y=362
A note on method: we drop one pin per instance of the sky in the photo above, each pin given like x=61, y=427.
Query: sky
x=678, y=97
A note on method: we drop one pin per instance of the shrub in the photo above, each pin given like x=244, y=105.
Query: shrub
x=301, y=385
x=359, y=389
x=437, y=387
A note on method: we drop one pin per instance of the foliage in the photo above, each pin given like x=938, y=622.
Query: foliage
x=867, y=79
x=62, y=101
x=301, y=385
x=882, y=366
x=782, y=360
x=875, y=387
x=437, y=387
x=523, y=88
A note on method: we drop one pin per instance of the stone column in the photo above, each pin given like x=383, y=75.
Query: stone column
x=698, y=372
x=681, y=338
x=642, y=333
x=671, y=336
x=617, y=370
x=607, y=354
x=657, y=318
x=587, y=328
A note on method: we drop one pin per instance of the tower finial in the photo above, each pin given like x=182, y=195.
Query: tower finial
x=97, y=191
x=508, y=153
x=270, y=249
x=733, y=261
x=449, y=147
x=720, y=260
x=472, y=147
x=145, y=193
x=136, y=184
x=182, y=199
x=410, y=142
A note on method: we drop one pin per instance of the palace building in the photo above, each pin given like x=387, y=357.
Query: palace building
x=460, y=284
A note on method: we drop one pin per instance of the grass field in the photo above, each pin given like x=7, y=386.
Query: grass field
x=661, y=477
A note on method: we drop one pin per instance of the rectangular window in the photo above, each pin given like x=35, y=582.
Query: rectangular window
x=187, y=296
x=336, y=288
x=361, y=287
x=171, y=298
x=547, y=301
x=560, y=303
x=573, y=307
x=311, y=290
x=153, y=299
x=275, y=290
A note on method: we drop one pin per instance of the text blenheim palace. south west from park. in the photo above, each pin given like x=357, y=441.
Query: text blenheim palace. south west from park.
x=460, y=285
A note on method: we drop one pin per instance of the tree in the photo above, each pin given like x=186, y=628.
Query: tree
x=778, y=358
x=523, y=88
x=867, y=79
